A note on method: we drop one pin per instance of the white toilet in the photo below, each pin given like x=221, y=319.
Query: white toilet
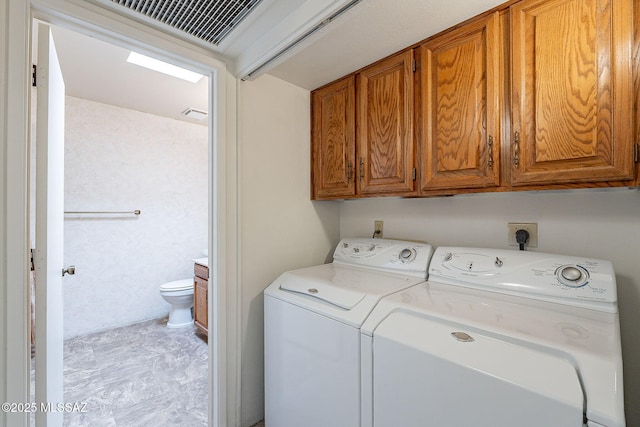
x=180, y=295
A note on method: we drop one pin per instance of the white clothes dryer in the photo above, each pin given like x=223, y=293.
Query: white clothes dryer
x=496, y=338
x=312, y=320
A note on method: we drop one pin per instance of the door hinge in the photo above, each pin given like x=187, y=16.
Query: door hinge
x=413, y=66
x=635, y=153
x=414, y=174
x=33, y=75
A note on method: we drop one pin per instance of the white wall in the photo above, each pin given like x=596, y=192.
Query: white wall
x=118, y=159
x=601, y=224
x=281, y=229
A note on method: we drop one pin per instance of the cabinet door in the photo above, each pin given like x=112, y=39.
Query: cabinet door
x=385, y=127
x=333, y=140
x=460, y=98
x=200, y=305
x=572, y=93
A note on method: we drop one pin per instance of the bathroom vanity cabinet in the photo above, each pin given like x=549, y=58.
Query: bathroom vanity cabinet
x=200, y=284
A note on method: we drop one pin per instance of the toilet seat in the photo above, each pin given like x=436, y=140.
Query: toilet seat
x=177, y=285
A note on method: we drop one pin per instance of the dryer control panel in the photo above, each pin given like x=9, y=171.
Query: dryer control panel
x=582, y=282
x=396, y=256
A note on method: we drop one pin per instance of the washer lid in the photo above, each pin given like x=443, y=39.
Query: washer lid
x=326, y=291
x=345, y=293
x=447, y=370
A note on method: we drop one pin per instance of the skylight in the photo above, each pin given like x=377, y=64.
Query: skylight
x=163, y=67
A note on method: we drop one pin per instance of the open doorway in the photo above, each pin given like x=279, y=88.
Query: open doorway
x=142, y=252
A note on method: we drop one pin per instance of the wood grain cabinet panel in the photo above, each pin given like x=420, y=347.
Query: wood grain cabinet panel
x=333, y=140
x=200, y=298
x=385, y=148
x=460, y=107
x=200, y=311
x=572, y=100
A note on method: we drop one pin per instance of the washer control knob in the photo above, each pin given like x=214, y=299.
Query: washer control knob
x=573, y=276
x=407, y=255
x=571, y=273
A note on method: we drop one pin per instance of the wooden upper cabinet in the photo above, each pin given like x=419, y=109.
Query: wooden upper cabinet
x=385, y=146
x=572, y=109
x=459, y=108
x=333, y=158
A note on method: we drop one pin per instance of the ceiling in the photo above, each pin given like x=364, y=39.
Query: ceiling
x=370, y=30
x=99, y=71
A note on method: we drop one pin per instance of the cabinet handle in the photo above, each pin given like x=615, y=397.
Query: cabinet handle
x=516, y=149
x=490, y=144
x=361, y=169
x=348, y=171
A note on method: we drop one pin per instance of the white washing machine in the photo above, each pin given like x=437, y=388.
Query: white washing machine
x=496, y=338
x=312, y=320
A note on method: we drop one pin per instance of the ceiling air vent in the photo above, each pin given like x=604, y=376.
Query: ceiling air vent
x=208, y=20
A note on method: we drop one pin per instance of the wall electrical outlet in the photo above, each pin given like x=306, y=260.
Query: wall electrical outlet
x=531, y=227
x=377, y=229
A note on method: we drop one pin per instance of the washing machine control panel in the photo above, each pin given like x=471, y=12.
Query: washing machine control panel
x=397, y=256
x=583, y=282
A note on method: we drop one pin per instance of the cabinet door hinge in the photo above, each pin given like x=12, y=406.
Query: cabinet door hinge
x=33, y=75
x=635, y=153
x=414, y=174
x=413, y=66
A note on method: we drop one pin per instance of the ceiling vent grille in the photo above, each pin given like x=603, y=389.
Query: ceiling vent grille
x=208, y=20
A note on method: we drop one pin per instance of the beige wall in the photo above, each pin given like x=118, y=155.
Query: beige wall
x=277, y=221
x=601, y=224
x=280, y=228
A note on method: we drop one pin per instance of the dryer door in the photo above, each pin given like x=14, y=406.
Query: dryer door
x=428, y=372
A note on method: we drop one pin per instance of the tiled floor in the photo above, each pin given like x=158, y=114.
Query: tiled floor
x=140, y=375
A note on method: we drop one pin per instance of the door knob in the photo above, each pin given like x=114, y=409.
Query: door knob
x=71, y=270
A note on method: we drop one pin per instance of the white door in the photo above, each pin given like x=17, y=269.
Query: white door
x=49, y=229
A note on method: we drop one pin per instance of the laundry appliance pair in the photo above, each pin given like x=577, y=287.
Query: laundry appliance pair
x=493, y=338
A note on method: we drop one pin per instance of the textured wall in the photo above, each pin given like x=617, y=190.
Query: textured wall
x=593, y=223
x=119, y=159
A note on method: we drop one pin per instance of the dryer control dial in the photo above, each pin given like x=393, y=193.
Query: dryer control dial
x=572, y=276
x=407, y=255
